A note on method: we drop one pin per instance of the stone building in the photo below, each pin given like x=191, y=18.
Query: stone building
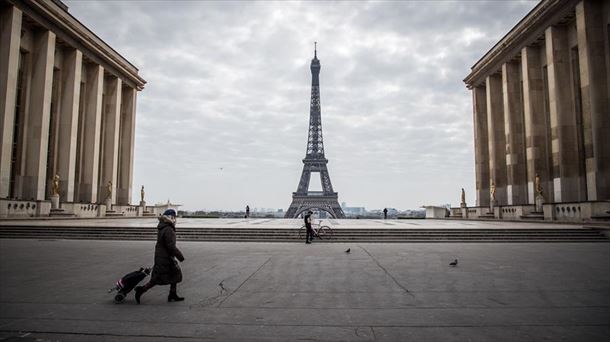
x=68, y=106
x=540, y=100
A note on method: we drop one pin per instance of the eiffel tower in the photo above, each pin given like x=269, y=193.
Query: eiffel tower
x=315, y=162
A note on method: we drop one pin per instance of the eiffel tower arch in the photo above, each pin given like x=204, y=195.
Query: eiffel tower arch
x=315, y=162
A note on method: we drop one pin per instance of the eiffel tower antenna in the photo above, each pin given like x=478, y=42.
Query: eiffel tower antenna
x=315, y=161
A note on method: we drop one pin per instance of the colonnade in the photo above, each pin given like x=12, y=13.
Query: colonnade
x=545, y=111
x=62, y=112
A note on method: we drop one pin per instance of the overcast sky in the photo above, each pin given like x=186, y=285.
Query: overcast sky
x=223, y=119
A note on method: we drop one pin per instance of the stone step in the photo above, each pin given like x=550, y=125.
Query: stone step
x=241, y=239
x=272, y=234
x=350, y=230
x=533, y=216
x=61, y=213
x=114, y=214
x=295, y=238
x=339, y=235
x=296, y=233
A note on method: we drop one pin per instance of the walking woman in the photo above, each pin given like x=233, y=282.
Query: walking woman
x=166, y=270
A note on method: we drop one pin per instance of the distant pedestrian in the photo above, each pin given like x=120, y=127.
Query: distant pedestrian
x=385, y=213
x=247, y=211
x=310, y=233
x=166, y=270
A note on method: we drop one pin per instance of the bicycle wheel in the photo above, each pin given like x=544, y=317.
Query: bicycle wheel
x=325, y=233
x=302, y=232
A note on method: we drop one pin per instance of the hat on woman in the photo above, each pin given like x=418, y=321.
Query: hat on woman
x=170, y=212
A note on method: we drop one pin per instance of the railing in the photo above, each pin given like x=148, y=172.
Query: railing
x=315, y=193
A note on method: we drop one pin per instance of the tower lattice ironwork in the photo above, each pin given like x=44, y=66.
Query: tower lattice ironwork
x=315, y=161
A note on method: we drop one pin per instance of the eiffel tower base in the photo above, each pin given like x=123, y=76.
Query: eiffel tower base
x=302, y=203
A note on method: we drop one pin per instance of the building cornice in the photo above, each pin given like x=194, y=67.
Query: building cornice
x=69, y=29
x=526, y=32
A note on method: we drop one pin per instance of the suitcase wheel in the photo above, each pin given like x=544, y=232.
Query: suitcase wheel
x=119, y=298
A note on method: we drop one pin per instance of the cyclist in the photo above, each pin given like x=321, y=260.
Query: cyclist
x=309, y=235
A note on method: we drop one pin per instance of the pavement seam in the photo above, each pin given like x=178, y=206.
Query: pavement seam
x=240, y=285
x=260, y=324
x=409, y=308
x=386, y=272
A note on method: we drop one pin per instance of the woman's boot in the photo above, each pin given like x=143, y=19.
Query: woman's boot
x=139, y=292
x=173, y=297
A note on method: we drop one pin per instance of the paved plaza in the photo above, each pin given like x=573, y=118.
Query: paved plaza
x=56, y=290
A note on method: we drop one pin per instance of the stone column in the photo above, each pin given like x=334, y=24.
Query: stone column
x=594, y=92
x=516, y=190
x=109, y=157
x=481, y=141
x=536, y=124
x=10, y=38
x=128, y=130
x=564, y=131
x=91, y=135
x=37, y=135
x=497, y=137
x=68, y=122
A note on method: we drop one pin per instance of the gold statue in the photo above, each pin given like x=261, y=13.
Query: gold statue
x=538, y=185
x=492, y=191
x=463, y=196
x=56, y=185
x=142, y=193
x=109, y=189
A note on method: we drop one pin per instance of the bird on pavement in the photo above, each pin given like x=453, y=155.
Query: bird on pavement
x=454, y=263
x=348, y=250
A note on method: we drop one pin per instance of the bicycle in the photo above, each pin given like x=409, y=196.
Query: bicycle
x=322, y=232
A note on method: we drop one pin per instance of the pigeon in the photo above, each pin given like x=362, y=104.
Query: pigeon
x=454, y=263
x=348, y=250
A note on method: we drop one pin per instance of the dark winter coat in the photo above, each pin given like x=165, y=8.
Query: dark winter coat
x=307, y=220
x=166, y=269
